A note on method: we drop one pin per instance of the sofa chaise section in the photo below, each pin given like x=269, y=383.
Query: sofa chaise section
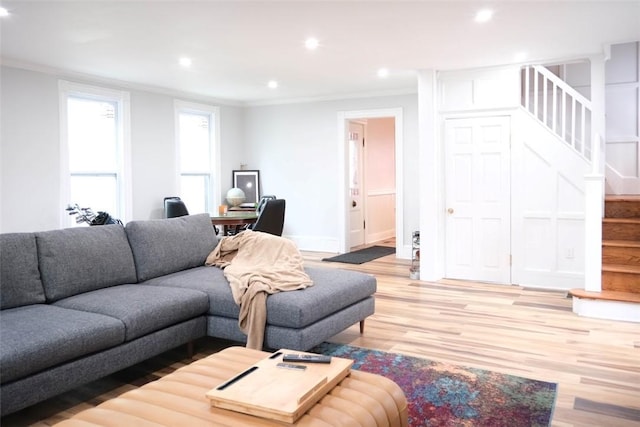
x=297, y=320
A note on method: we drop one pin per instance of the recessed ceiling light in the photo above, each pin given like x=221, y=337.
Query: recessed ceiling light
x=383, y=73
x=272, y=84
x=4, y=12
x=185, y=62
x=484, y=15
x=312, y=43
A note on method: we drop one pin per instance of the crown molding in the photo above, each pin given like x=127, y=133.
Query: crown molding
x=121, y=84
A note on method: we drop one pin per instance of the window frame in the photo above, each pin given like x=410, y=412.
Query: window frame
x=213, y=112
x=121, y=99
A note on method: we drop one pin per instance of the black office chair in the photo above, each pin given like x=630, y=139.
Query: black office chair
x=271, y=218
x=174, y=207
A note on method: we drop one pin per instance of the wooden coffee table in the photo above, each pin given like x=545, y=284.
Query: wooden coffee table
x=179, y=399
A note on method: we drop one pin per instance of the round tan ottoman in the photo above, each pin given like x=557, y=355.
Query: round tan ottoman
x=178, y=399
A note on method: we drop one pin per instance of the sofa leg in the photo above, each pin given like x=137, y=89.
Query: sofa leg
x=190, y=349
x=361, y=327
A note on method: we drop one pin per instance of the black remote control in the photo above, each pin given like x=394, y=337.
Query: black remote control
x=307, y=358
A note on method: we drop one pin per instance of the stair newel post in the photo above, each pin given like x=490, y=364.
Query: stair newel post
x=594, y=199
x=594, y=182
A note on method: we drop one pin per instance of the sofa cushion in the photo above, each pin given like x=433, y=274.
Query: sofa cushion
x=40, y=336
x=142, y=309
x=165, y=246
x=332, y=290
x=19, y=273
x=83, y=259
x=209, y=280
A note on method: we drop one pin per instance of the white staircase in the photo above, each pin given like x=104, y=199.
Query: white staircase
x=570, y=116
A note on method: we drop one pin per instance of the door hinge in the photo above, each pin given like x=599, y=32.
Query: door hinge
x=510, y=260
x=363, y=142
x=364, y=224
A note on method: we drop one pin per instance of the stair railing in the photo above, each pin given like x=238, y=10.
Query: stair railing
x=562, y=109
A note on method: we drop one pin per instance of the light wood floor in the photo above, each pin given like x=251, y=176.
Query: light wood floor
x=526, y=332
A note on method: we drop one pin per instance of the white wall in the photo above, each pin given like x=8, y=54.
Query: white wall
x=30, y=147
x=380, y=179
x=547, y=210
x=152, y=143
x=622, y=93
x=30, y=151
x=295, y=147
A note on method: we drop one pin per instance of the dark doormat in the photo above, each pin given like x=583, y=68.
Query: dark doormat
x=363, y=255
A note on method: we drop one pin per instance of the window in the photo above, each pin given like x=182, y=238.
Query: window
x=94, y=148
x=197, y=145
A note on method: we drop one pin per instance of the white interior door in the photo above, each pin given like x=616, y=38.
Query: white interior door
x=356, y=190
x=478, y=226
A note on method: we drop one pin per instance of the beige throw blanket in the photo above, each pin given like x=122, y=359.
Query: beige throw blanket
x=257, y=264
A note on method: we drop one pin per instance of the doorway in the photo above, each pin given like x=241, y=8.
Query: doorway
x=371, y=210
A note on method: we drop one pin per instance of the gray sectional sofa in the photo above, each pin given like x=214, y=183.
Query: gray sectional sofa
x=81, y=303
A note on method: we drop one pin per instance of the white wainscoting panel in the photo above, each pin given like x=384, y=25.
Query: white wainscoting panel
x=380, y=221
x=547, y=208
x=622, y=103
x=479, y=89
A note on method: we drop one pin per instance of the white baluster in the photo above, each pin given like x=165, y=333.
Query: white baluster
x=573, y=122
x=545, y=117
x=554, y=108
x=535, y=93
x=582, y=129
x=564, y=115
x=527, y=88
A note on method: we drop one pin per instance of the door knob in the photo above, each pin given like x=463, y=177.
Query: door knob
x=450, y=211
x=353, y=204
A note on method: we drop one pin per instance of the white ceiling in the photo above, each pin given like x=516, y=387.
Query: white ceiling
x=238, y=46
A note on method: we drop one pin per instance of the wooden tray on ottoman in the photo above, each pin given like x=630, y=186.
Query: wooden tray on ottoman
x=270, y=391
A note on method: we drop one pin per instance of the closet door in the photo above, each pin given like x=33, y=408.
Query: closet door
x=478, y=226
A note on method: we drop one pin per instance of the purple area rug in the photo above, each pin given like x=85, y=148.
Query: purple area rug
x=441, y=394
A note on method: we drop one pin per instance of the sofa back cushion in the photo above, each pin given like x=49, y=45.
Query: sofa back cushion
x=164, y=246
x=83, y=259
x=19, y=273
